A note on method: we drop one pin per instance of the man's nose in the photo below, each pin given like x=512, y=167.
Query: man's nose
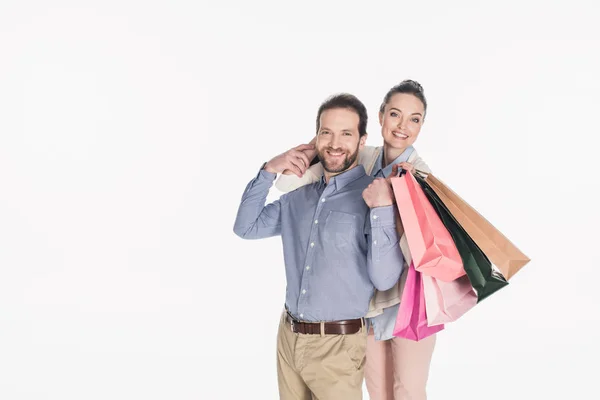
x=334, y=141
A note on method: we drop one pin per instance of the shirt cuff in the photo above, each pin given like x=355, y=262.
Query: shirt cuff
x=383, y=216
x=266, y=175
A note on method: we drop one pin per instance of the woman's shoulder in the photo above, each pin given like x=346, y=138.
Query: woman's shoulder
x=417, y=162
x=367, y=157
x=370, y=149
x=368, y=153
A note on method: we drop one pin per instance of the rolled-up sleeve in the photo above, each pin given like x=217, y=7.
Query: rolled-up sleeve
x=384, y=259
x=254, y=220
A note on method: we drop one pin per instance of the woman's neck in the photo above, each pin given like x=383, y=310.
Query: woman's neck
x=390, y=154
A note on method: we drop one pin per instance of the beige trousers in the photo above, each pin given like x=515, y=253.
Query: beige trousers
x=320, y=367
x=397, y=369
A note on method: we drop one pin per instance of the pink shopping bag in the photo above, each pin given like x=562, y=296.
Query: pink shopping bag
x=447, y=301
x=431, y=246
x=411, y=321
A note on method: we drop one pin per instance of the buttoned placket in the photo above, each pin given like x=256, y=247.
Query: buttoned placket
x=308, y=269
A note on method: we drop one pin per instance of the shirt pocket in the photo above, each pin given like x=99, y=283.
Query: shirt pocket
x=340, y=229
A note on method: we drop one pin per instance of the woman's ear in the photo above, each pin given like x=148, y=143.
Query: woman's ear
x=380, y=118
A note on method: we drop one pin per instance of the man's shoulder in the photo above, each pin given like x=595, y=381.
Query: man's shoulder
x=364, y=180
x=302, y=190
x=359, y=184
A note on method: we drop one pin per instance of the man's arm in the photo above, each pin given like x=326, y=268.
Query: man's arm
x=254, y=220
x=384, y=257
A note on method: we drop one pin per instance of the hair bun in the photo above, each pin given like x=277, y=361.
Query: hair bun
x=409, y=82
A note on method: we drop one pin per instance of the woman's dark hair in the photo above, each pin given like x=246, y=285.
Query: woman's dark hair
x=409, y=87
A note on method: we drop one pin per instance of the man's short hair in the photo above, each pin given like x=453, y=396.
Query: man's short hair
x=347, y=101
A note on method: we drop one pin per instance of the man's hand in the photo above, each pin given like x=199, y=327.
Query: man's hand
x=294, y=160
x=379, y=193
x=310, y=154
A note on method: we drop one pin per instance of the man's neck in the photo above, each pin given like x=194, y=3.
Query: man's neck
x=329, y=175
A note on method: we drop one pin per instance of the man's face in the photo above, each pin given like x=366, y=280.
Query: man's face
x=338, y=139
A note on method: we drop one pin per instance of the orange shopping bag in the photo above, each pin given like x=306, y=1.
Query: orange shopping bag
x=497, y=247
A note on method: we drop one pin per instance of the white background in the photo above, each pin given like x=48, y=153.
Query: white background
x=128, y=131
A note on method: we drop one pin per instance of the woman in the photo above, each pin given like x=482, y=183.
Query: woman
x=396, y=368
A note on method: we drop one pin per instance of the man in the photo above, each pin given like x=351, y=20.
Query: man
x=339, y=243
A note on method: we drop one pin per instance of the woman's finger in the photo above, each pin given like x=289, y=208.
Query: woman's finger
x=407, y=166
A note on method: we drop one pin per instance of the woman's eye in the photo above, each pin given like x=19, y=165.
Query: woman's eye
x=393, y=114
x=416, y=120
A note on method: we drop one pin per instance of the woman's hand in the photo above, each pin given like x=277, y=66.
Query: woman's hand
x=406, y=166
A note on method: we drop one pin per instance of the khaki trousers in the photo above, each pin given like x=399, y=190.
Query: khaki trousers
x=397, y=369
x=320, y=367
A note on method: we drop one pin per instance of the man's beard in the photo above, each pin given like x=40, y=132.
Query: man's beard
x=348, y=161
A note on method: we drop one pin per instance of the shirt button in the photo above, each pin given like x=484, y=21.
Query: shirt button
x=303, y=291
x=374, y=216
x=301, y=315
x=316, y=221
x=312, y=244
x=307, y=267
x=322, y=200
x=375, y=242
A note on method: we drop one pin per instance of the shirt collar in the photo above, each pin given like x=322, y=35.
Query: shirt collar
x=345, y=177
x=378, y=171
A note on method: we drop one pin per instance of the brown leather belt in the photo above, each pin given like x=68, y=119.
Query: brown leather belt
x=346, y=327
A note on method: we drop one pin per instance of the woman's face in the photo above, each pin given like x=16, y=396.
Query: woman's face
x=401, y=120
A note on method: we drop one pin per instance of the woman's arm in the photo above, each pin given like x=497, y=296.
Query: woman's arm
x=287, y=183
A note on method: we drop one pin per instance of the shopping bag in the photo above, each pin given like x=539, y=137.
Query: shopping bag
x=431, y=245
x=501, y=251
x=483, y=277
x=447, y=301
x=411, y=320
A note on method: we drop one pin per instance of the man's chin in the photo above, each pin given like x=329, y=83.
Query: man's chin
x=333, y=167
